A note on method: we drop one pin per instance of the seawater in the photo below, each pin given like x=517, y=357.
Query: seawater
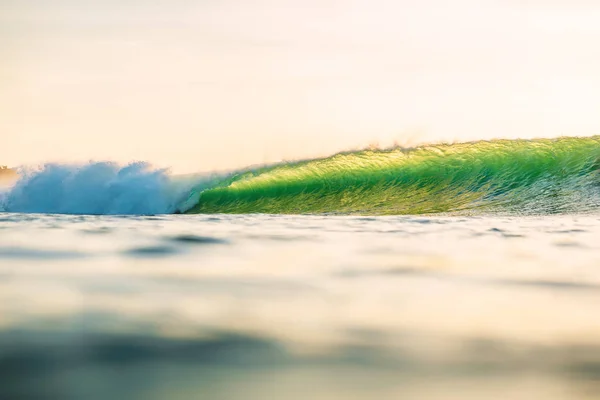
x=299, y=307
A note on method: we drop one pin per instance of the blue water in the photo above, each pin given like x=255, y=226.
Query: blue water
x=319, y=307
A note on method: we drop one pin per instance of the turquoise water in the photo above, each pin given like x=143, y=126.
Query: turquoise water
x=262, y=306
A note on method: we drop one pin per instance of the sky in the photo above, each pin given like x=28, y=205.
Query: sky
x=211, y=85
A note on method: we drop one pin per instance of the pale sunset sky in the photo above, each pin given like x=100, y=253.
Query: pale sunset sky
x=203, y=85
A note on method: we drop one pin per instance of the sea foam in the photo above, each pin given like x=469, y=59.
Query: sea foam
x=93, y=188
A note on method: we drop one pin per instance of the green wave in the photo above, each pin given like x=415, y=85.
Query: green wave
x=508, y=176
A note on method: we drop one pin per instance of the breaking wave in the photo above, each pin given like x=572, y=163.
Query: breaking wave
x=541, y=176
x=95, y=188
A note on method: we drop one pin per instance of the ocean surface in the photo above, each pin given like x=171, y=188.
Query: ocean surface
x=261, y=306
x=449, y=271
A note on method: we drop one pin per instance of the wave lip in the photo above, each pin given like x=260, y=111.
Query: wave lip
x=541, y=176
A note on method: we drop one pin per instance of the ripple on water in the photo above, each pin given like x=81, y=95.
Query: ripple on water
x=549, y=284
x=368, y=272
x=281, y=237
x=152, y=251
x=197, y=240
x=28, y=253
x=568, y=243
x=566, y=231
x=97, y=231
x=505, y=234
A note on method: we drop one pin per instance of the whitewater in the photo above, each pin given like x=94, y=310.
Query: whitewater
x=93, y=188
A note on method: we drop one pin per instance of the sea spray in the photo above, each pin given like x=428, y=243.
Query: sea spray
x=93, y=188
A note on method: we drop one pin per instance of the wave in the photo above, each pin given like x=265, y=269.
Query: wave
x=540, y=176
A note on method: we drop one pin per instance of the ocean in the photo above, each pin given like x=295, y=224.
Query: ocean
x=463, y=271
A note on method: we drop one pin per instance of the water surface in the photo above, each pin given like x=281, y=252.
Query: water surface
x=295, y=307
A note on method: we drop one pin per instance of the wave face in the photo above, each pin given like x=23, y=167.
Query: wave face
x=94, y=188
x=542, y=176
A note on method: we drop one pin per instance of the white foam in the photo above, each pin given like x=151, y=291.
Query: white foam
x=95, y=188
